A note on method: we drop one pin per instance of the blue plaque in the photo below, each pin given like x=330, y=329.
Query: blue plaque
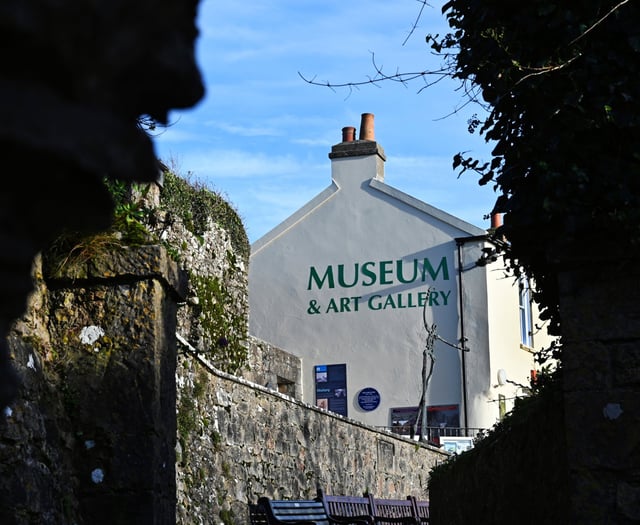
x=368, y=399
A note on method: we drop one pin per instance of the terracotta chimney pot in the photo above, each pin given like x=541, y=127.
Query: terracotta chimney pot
x=348, y=134
x=366, y=127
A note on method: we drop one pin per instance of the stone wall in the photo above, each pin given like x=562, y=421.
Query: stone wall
x=121, y=417
x=273, y=368
x=238, y=440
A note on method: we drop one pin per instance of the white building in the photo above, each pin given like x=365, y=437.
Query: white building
x=347, y=282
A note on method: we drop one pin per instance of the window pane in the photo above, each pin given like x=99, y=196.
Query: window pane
x=526, y=324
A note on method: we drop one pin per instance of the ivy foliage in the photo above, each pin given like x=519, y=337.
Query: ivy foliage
x=128, y=227
x=194, y=205
x=226, y=331
x=130, y=212
x=561, y=83
x=218, y=309
x=134, y=222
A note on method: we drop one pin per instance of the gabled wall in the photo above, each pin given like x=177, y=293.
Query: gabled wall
x=350, y=277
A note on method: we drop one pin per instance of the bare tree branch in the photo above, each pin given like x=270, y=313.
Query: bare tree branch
x=614, y=8
x=380, y=76
x=550, y=69
x=544, y=70
x=415, y=23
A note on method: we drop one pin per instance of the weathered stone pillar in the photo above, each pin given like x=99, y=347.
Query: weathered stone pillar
x=108, y=352
x=601, y=355
x=119, y=321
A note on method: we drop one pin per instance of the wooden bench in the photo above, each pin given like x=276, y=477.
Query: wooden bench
x=347, y=506
x=393, y=511
x=409, y=511
x=421, y=509
x=301, y=512
x=331, y=509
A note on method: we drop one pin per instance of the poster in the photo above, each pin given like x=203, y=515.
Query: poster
x=331, y=388
x=441, y=420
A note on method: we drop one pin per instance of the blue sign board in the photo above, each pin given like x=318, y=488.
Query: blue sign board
x=368, y=399
x=331, y=388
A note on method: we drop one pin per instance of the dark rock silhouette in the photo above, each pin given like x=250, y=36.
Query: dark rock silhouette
x=76, y=79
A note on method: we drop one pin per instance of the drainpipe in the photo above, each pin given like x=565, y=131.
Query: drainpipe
x=463, y=339
x=496, y=221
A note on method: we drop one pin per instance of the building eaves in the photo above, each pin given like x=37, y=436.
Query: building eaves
x=423, y=207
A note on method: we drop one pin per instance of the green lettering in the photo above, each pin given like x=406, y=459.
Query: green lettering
x=377, y=305
x=356, y=303
x=433, y=298
x=426, y=267
x=400, y=274
x=400, y=301
x=344, y=304
x=445, y=298
x=385, y=273
x=389, y=302
x=341, y=276
x=366, y=272
x=422, y=298
x=384, y=270
x=333, y=307
x=313, y=276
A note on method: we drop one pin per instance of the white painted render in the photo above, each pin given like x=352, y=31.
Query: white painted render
x=360, y=219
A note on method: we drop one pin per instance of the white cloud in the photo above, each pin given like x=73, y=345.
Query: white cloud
x=261, y=135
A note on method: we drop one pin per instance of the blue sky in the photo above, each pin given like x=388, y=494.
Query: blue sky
x=261, y=135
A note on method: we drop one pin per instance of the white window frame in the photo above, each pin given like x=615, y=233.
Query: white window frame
x=526, y=314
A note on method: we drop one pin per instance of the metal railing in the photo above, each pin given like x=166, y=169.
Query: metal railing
x=433, y=434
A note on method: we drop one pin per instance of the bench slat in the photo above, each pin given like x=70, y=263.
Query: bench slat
x=393, y=511
x=421, y=509
x=346, y=505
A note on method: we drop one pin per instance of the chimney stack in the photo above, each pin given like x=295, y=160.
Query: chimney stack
x=365, y=146
x=366, y=127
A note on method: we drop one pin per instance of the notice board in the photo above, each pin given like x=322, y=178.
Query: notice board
x=331, y=388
